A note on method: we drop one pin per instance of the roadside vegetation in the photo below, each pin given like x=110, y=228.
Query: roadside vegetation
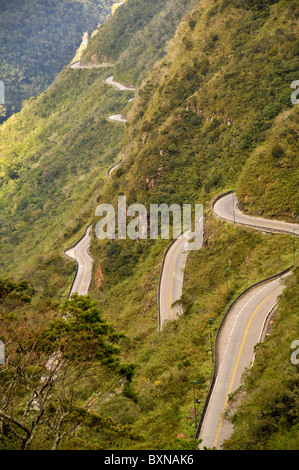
x=213, y=114
x=267, y=418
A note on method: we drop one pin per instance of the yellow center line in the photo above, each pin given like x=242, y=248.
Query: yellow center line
x=237, y=364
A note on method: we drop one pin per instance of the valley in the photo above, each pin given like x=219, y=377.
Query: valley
x=178, y=102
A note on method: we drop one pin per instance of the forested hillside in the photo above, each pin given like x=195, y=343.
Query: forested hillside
x=212, y=112
x=37, y=39
x=136, y=37
x=221, y=94
x=59, y=138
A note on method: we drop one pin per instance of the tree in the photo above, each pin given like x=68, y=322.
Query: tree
x=54, y=357
x=277, y=151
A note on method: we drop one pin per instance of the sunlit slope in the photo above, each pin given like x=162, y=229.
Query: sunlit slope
x=221, y=93
x=201, y=114
x=269, y=180
x=134, y=38
x=195, y=123
x=54, y=155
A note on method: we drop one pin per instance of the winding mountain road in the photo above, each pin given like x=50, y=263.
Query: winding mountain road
x=79, y=252
x=171, y=280
x=240, y=332
x=244, y=322
x=77, y=65
x=241, y=329
x=119, y=86
x=117, y=118
x=226, y=207
x=243, y=325
x=114, y=167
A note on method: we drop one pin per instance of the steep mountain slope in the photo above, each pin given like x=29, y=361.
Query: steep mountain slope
x=274, y=164
x=38, y=38
x=201, y=113
x=194, y=128
x=135, y=37
x=61, y=138
x=187, y=130
x=267, y=418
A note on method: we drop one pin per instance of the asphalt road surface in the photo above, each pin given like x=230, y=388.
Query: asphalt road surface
x=119, y=86
x=241, y=330
x=227, y=209
x=84, y=261
x=171, y=280
x=77, y=65
x=117, y=118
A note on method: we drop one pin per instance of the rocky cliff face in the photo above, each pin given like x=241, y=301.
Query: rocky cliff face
x=85, y=40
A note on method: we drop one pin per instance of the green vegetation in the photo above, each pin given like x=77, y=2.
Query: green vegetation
x=37, y=39
x=67, y=138
x=134, y=37
x=268, y=416
x=166, y=363
x=57, y=358
x=202, y=118
x=275, y=165
x=199, y=116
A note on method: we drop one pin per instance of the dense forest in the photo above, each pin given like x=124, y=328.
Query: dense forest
x=37, y=38
x=212, y=110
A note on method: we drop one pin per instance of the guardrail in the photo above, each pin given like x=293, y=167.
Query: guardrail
x=257, y=227
x=114, y=166
x=275, y=276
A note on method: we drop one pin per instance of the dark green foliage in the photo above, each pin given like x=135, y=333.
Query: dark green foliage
x=255, y=5
x=53, y=355
x=81, y=334
x=277, y=151
x=17, y=291
x=38, y=38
